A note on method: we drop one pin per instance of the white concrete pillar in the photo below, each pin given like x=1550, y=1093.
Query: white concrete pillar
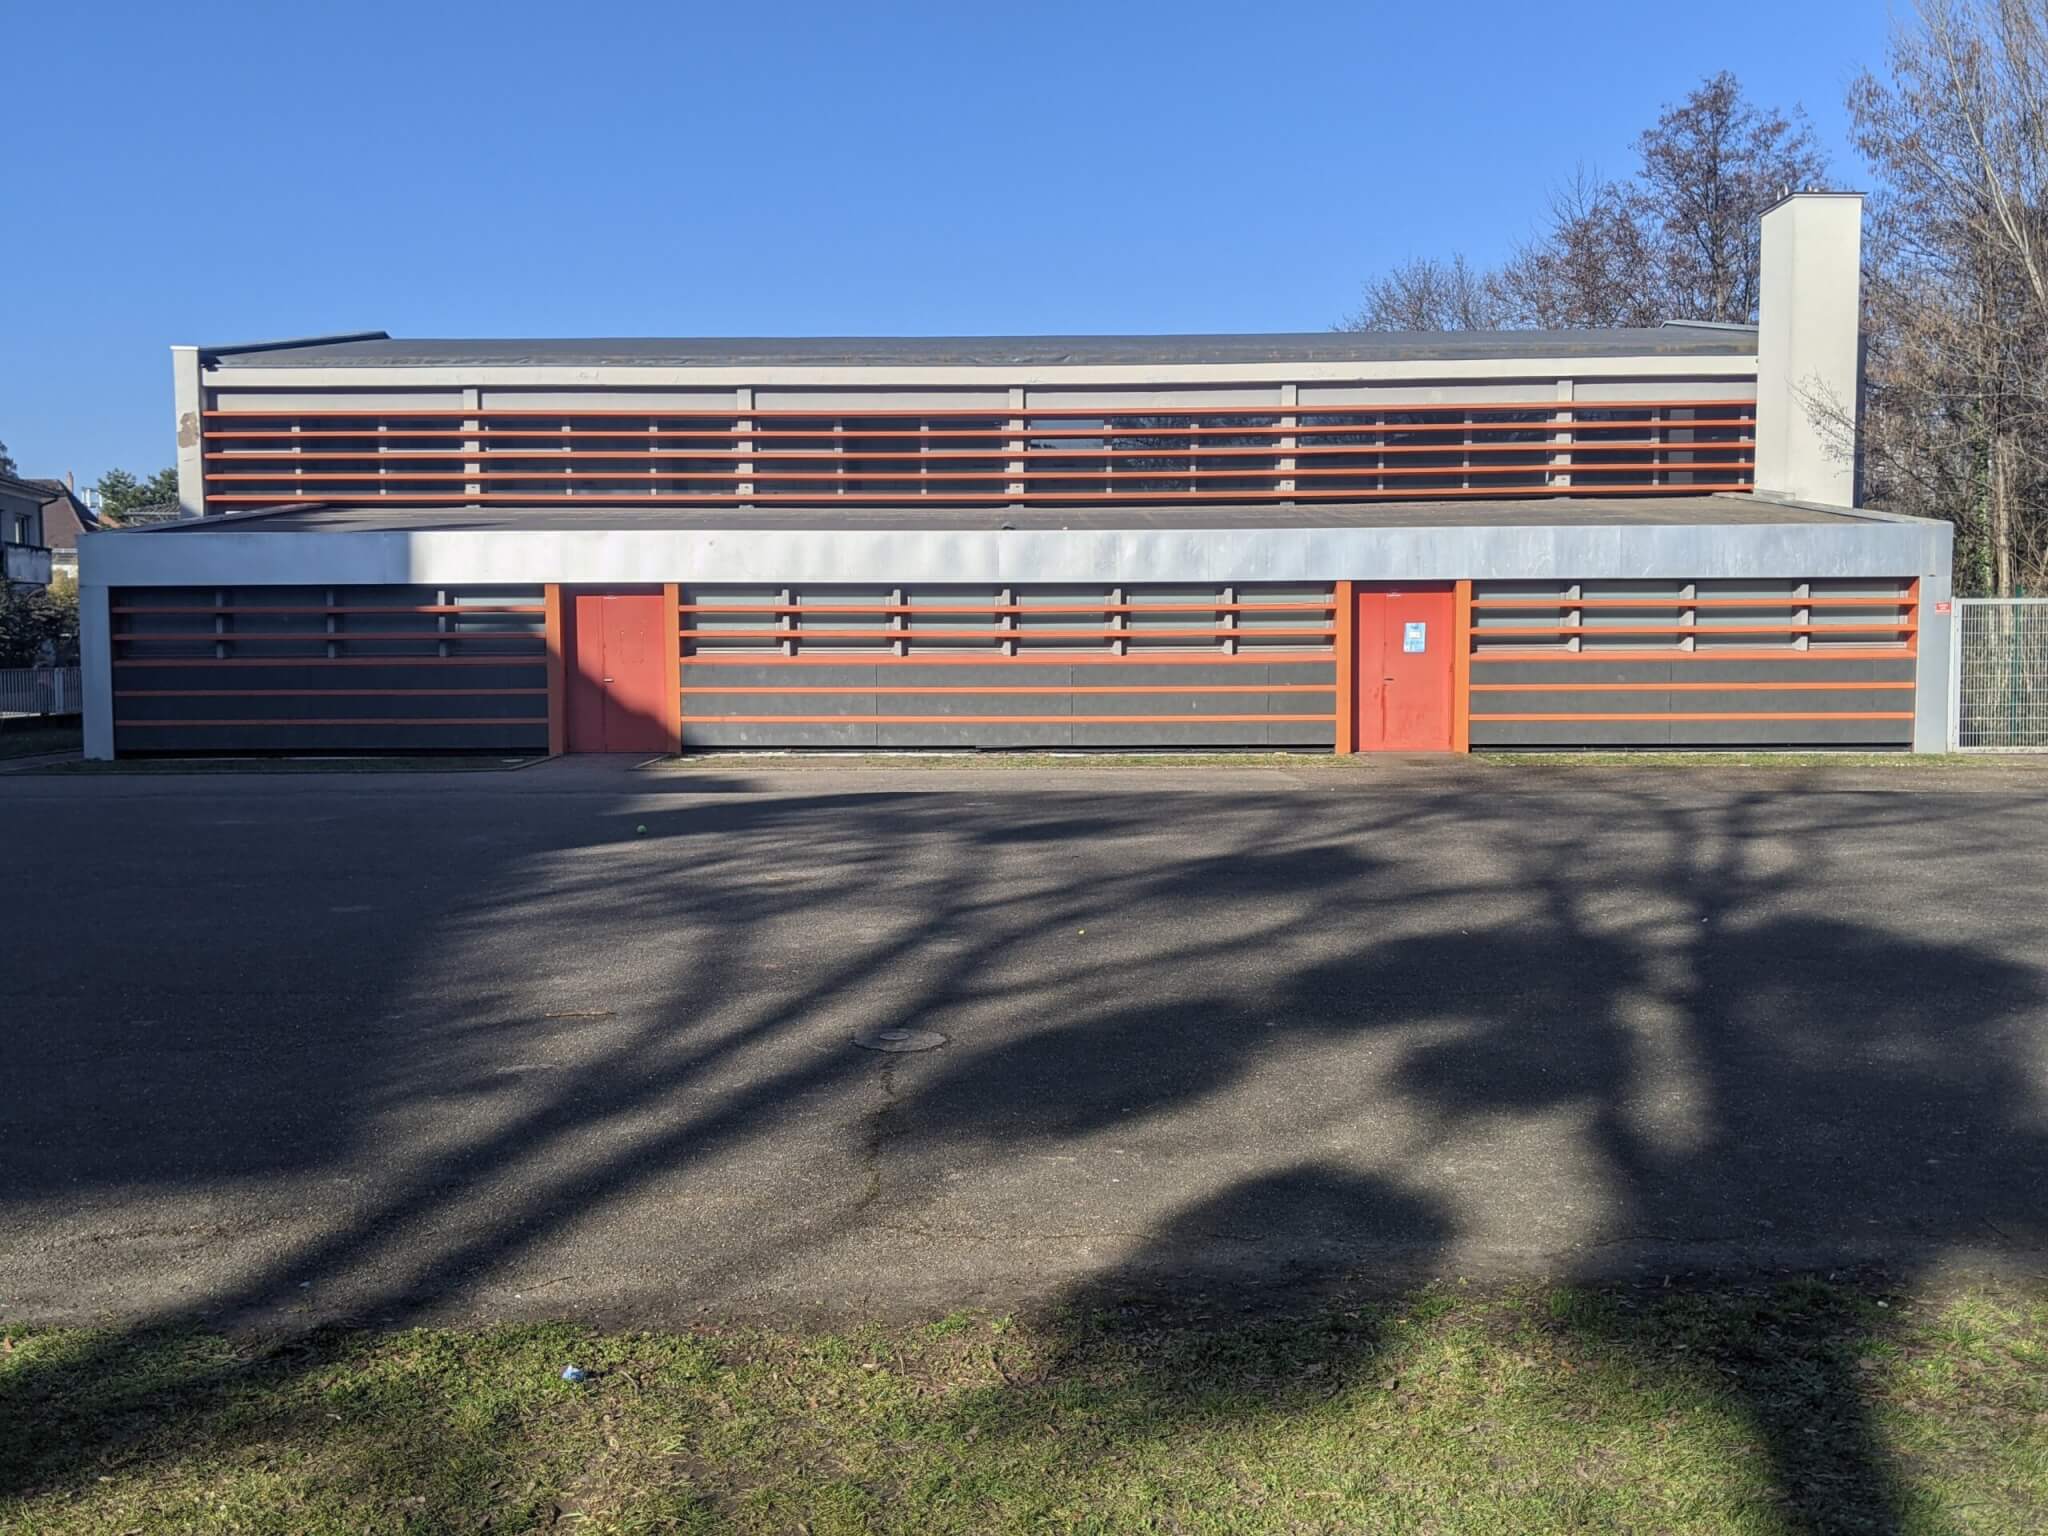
x=1808, y=356
x=95, y=652
x=188, y=402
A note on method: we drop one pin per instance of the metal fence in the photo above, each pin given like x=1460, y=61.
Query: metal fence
x=39, y=691
x=1998, y=689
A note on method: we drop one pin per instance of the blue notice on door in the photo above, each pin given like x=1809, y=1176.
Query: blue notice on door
x=1414, y=636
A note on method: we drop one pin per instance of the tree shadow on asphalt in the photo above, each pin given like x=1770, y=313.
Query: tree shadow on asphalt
x=1744, y=1087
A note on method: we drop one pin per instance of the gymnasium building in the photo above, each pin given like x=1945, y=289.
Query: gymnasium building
x=1337, y=541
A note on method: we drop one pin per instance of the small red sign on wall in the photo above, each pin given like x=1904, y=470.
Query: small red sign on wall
x=1941, y=607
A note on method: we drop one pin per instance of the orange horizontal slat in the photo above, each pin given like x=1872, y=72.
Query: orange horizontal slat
x=322, y=693
x=1493, y=631
x=600, y=501
x=327, y=661
x=1000, y=440
x=433, y=720
x=375, y=637
x=1905, y=714
x=934, y=688
x=1061, y=659
x=980, y=413
x=1107, y=477
x=1543, y=447
x=1899, y=601
x=1007, y=608
x=1821, y=686
x=1275, y=632
x=1727, y=653
x=231, y=608
x=986, y=719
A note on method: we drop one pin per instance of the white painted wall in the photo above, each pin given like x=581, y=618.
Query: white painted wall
x=1808, y=352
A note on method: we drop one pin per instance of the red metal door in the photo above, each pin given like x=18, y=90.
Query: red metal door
x=1404, y=668
x=618, y=676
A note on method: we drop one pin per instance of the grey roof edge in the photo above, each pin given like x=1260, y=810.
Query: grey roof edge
x=1787, y=197
x=240, y=348
x=1674, y=339
x=1544, y=512
x=1866, y=514
x=246, y=515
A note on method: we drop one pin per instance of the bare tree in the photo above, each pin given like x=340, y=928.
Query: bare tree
x=1956, y=291
x=1430, y=295
x=1679, y=239
x=1595, y=266
x=1710, y=168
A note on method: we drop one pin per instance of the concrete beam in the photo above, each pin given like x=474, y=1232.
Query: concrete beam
x=229, y=556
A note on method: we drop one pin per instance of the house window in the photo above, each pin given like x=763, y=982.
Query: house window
x=21, y=531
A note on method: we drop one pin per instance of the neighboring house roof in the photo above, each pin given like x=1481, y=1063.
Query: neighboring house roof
x=65, y=517
x=377, y=350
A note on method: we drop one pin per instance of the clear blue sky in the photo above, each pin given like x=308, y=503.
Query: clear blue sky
x=212, y=173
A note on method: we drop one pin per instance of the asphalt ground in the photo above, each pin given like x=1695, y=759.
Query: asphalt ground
x=577, y=1039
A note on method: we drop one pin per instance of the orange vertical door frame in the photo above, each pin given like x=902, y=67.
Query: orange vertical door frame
x=672, y=601
x=557, y=639
x=1461, y=667
x=1347, y=668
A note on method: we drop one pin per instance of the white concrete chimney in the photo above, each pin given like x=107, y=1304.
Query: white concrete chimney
x=1808, y=356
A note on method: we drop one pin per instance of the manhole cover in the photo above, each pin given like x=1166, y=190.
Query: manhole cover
x=899, y=1039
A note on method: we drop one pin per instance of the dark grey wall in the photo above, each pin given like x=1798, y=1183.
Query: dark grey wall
x=208, y=677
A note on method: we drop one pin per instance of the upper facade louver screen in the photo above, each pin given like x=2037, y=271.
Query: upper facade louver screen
x=589, y=455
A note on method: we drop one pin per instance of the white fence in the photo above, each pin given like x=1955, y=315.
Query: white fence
x=1998, y=682
x=39, y=691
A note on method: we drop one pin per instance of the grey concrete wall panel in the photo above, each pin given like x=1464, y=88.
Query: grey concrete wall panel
x=769, y=674
x=1169, y=735
x=221, y=556
x=1690, y=702
x=1797, y=733
x=846, y=734
x=1730, y=670
x=964, y=737
x=969, y=704
x=1571, y=733
x=315, y=706
x=1874, y=734
x=695, y=704
x=261, y=738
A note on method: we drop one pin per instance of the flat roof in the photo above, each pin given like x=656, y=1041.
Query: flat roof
x=375, y=350
x=1620, y=511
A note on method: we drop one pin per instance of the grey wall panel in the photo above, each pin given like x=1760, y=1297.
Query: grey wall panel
x=1792, y=733
x=1690, y=702
x=1572, y=733
x=1170, y=704
x=845, y=734
x=1302, y=672
x=1876, y=734
x=321, y=739
x=313, y=706
x=1301, y=733
x=1005, y=674
x=1719, y=670
x=311, y=675
x=769, y=674
x=1180, y=736
x=695, y=704
x=963, y=737
x=970, y=704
